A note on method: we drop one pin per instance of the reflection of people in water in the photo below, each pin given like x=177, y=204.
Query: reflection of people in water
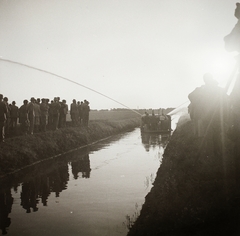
x=40, y=187
x=153, y=140
x=81, y=165
x=59, y=179
x=44, y=189
x=29, y=196
x=6, y=201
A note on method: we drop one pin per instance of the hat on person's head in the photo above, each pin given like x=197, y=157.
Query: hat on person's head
x=32, y=99
x=1, y=96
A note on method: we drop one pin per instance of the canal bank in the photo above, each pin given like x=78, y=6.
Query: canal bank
x=196, y=191
x=21, y=151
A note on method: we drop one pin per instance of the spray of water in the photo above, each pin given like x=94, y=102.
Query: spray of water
x=69, y=80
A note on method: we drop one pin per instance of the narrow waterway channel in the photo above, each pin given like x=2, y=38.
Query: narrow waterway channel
x=95, y=191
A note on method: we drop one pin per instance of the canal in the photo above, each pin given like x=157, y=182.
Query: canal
x=98, y=190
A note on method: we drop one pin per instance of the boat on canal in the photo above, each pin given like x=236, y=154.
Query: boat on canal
x=156, y=124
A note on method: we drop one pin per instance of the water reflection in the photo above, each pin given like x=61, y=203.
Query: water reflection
x=37, y=184
x=81, y=165
x=154, y=140
x=57, y=186
x=6, y=201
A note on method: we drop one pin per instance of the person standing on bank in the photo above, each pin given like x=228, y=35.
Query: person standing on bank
x=55, y=106
x=37, y=113
x=85, y=112
x=31, y=114
x=63, y=114
x=14, y=116
x=8, y=121
x=209, y=110
x=74, y=112
x=232, y=44
x=23, y=117
x=3, y=118
x=44, y=114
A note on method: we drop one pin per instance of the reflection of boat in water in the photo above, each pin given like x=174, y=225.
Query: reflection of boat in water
x=152, y=140
x=156, y=123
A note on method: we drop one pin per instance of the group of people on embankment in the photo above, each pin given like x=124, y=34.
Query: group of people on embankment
x=38, y=115
x=155, y=122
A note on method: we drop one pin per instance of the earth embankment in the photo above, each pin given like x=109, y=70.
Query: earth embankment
x=21, y=151
x=196, y=191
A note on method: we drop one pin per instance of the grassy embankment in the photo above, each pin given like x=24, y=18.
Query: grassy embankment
x=195, y=192
x=21, y=151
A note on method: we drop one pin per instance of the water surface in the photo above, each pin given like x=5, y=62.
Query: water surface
x=95, y=191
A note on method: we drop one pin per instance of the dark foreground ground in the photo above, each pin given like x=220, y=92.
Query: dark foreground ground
x=196, y=192
x=24, y=150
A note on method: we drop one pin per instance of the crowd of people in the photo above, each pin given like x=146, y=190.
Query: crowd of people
x=155, y=122
x=38, y=115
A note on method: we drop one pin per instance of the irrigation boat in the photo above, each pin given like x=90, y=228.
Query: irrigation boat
x=156, y=124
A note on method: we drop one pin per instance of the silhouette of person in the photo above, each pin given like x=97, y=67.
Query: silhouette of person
x=63, y=114
x=85, y=112
x=3, y=117
x=44, y=114
x=209, y=110
x=232, y=40
x=23, y=117
x=74, y=112
x=14, y=116
x=55, y=108
x=8, y=120
x=31, y=114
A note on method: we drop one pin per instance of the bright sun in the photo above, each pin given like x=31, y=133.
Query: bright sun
x=221, y=67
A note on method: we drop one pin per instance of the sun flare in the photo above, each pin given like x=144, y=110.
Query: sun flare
x=222, y=67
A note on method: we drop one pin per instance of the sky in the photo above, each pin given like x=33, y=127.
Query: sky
x=139, y=53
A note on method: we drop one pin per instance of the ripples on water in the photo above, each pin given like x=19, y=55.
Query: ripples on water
x=95, y=191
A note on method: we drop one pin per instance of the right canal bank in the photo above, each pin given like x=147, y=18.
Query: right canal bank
x=196, y=191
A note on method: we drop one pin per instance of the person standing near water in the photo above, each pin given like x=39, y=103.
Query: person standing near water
x=209, y=111
x=44, y=114
x=23, y=117
x=3, y=117
x=31, y=114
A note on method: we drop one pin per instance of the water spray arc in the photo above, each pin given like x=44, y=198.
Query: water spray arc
x=69, y=80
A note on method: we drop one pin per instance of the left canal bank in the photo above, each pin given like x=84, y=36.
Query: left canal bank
x=19, y=152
